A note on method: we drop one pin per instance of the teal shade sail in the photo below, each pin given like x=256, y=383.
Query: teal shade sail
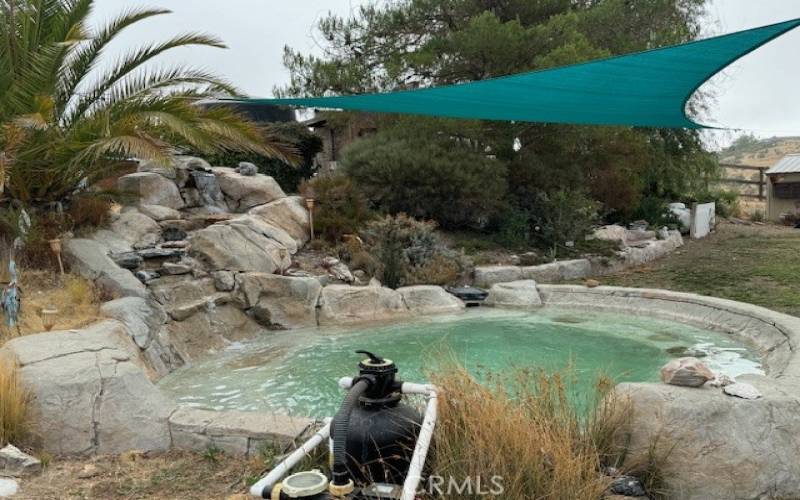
x=649, y=89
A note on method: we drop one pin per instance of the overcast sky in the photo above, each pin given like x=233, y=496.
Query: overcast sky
x=760, y=93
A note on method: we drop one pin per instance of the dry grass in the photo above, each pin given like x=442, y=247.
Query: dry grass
x=528, y=430
x=13, y=405
x=76, y=299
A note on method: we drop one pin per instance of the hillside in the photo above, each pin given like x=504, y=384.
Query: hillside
x=747, y=150
x=750, y=151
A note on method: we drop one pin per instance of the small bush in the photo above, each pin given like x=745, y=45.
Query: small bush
x=726, y=202
x=13, y=404
x=561, y=217
x=34, y=230
x=439, y=270
x=410, y=252
x=90, y=211
x=428, y=178
x=758, y=216
x=656, y=212
x=339, y=209
x=513, y=229
x=364, y=261
x=80, y=291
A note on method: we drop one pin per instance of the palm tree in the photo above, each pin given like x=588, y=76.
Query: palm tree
x=64, y=121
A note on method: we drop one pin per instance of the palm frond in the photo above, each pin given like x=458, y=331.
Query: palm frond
x=85, y=57
x=133, y=61
x=59, y=128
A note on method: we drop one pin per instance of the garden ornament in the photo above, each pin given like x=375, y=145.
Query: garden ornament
x=9, y=298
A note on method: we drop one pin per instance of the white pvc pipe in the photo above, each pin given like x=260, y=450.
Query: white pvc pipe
x=286, y=465
x=414, y=475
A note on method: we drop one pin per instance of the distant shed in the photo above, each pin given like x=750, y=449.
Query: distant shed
x=783, y=188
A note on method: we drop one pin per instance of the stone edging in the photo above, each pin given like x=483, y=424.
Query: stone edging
x=577, y=269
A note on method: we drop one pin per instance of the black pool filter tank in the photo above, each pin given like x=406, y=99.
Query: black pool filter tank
x=374, y=432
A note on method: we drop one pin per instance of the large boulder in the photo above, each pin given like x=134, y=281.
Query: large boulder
x=554, y=272
x=172, y=290
x=90, y=259
x=202, y=189
x=688, y=372
x=522, y=293
x=652, y=250
x=140, y=318
x=14, y=462
x=289, y=214
x=168, y=171
x=152, y=188
x=717, y=447
x=486, y=276
x=114, y=242
x=245, y=192
x=159, y=212
x=237, y=247
x=135, y=227
x=234, y=432
x=209, y=331
x=429, y=299
x=265, y=229
x=614, y=233
x=280, y=301
x=340, y=304
x=88, y=392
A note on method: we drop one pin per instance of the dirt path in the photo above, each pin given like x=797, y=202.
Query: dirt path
x=759, y=264
x=173, y=475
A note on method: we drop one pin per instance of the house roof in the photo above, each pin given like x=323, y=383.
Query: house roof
x=789, y=164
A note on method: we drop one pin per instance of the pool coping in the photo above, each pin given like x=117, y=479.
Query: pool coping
x=776, y=336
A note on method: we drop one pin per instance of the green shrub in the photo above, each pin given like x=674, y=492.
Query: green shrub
x=513, y=229
x=561, y=217
x=656, y=212
x=437, y=179
x=726, y=201
x=339, y=208
x=758, y=216
x=410, y=252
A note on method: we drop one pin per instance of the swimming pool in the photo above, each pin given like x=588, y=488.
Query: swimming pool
x=296, y=372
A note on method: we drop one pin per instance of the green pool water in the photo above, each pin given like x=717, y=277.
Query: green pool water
x=296, y=372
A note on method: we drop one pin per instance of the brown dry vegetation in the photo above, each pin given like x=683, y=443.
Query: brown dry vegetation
x=13, y=405
x=528, y=429
x=162, y=476
x=76, y=298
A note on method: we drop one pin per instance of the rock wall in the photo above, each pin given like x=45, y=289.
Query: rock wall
x=637, y=248
x=199, y=262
